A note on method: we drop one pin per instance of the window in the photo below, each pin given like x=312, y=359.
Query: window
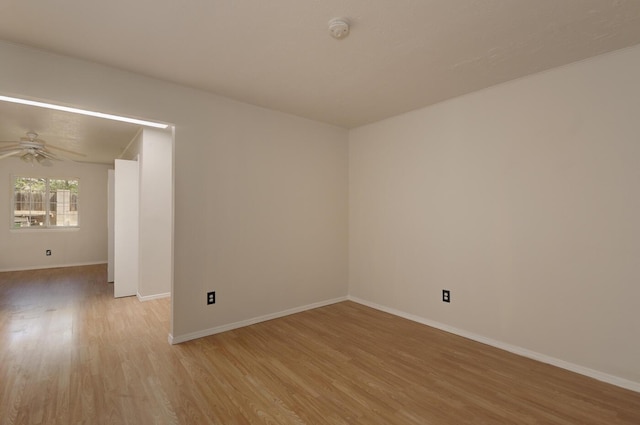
x=45, y=203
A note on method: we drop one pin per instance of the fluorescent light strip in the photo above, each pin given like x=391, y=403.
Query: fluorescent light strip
x=83, y=112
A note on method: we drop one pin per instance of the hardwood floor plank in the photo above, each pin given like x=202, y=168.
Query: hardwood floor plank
x=72, y=354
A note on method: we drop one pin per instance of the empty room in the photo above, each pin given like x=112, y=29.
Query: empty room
x=336, y=212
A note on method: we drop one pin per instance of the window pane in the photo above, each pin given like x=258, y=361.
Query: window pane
x=29, y=200
x=41, y=202
x=63, y=202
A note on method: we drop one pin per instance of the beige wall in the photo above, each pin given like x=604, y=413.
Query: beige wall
x=264, y=216
x=25, y=249
x=260, y=196
x=522, y=200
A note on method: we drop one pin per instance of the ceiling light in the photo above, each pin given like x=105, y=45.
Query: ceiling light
x=339, y=28
x=28, y=157
x=83, y=112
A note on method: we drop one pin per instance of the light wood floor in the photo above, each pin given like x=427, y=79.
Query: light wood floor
x=71, y=354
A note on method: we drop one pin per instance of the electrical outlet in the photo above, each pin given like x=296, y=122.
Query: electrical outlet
x=48, y=252
x=211, y=297
x=446, y=296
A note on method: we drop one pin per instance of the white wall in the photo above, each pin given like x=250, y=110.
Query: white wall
x=522, y=200
x=260, y=196
x=154, y=149
x=126, y=226
x=25, y=249
x=111, y=198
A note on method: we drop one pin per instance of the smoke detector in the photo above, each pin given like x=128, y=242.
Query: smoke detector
x=339, y=28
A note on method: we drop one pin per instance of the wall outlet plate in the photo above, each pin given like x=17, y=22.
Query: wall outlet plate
x=446, y=296
x=211, y=297
x=47, y=252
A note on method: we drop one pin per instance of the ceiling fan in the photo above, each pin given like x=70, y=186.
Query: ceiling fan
x=31, y=149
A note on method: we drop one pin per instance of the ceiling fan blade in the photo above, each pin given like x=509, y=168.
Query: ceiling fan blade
x=13, y=152
x=66, y=150
x=48, y=155
x=13, y=142
x=10, y=148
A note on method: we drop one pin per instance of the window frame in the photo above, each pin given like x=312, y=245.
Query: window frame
x=48, y=226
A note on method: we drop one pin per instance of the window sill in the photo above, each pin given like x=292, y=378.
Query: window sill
x=37, y=229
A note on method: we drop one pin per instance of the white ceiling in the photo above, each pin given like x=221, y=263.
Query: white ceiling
x=401, y=54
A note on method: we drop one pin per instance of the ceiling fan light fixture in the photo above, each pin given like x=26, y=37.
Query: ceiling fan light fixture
x=28, y=157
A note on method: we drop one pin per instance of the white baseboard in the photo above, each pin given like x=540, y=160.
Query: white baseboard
x=153, y=297
x=600, y=376
x=218, y=329
x=51, y=266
